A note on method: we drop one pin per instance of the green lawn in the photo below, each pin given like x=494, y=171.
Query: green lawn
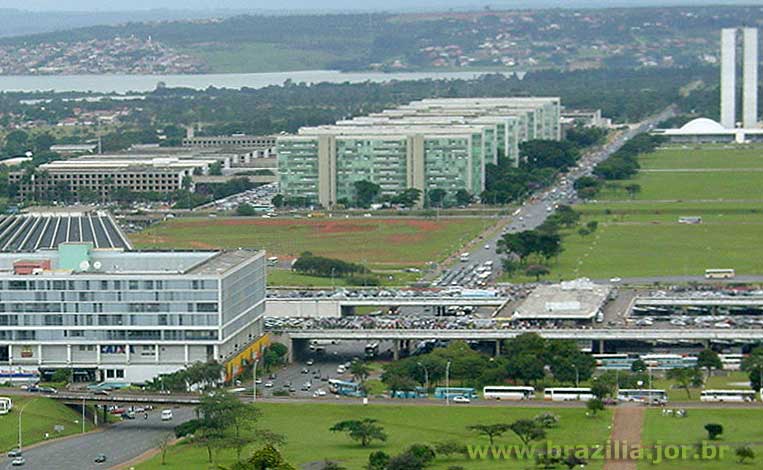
x=734, y=380
x=706, y=156
x=286, y=278
x=377, y=241
x=642, y=237
x=740, y=426
x=676, y=186
x=308, y=439
x=38, y=418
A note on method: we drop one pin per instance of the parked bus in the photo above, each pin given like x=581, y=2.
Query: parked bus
x=418, y=392
x=719, y=273
x=655, y=396
x=344, y=388
x=6, y=404
x=497, y=392
x=567, y=394
x=668, y=361
x=732, y=361
x=19, y=375
x=727, y=395
x=615, y=361
x=451, y=392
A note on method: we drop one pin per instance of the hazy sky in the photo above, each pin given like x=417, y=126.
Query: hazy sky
x=117, y=5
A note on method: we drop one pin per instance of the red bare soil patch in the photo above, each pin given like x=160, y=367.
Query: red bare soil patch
x=321, y=226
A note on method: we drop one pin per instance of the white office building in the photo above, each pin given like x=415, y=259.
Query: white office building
x=116, y=315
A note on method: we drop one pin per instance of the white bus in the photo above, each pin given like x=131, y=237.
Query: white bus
x=732, y=361
x=727, y=395
x=719, y=273
x=6, y=404
x=567, y=394
x=644, y=396
x=499, y=392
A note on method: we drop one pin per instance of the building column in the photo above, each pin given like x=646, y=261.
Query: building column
x=290, y=346
x=68, y=354
x=395, y=350
x=98, y=354
x=497, y=347
x=10, y=354
x=127, y=354
x=601, y=346
x=187, y=356
x=156, y=354
x=39, y=354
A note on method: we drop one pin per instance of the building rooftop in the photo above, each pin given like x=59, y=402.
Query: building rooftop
x=223, y=261
x=83, y=259
x=46, y=230
x=580, y=299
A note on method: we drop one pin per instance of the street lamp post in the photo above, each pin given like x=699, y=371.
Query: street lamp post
x=254, y=380
x=426, y=376
x=21, y=410
x=447, y=384
x=577, y=375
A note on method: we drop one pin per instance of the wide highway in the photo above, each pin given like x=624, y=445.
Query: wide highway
x=535, y=211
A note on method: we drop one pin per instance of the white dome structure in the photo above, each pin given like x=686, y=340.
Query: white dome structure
x=703, y=126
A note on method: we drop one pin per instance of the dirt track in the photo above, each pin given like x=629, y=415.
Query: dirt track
x=626, y=429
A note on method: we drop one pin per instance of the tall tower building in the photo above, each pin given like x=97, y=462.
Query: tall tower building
x=750, y=79
x=728, y=77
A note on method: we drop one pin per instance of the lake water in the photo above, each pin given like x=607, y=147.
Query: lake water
x=142, y=83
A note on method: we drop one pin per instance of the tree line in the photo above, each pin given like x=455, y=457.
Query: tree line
x=528, y=359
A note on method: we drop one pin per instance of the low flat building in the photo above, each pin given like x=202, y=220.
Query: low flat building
x=577, y=300
x=264, y=145
x=73, y=149
x=110, y=314
x=105, y=173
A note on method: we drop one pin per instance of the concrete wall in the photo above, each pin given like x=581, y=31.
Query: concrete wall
x=306, y=308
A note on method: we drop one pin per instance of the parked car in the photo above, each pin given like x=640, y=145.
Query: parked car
x=14, y=453
x=100, y=458
x=461, y=399
x=18, y=461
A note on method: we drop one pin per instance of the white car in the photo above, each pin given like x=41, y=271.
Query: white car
x=268, y=384
x=461, y=399
x=615, y=280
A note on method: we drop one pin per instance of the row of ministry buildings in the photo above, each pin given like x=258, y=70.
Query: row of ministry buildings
x=427, y=144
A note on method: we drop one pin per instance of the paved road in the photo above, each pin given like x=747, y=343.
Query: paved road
x=535, y=211
x=120, y=443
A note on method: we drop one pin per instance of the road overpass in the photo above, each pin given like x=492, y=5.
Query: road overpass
x=402, y=338
x=318, y=307
x=724, y=301
x=74, y=398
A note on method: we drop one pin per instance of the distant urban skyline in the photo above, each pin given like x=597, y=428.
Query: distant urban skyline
x=340, y=5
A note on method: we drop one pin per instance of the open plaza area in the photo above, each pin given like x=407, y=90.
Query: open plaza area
x=391, y=242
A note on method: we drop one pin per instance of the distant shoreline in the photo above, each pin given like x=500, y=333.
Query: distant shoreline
x=143, y=83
